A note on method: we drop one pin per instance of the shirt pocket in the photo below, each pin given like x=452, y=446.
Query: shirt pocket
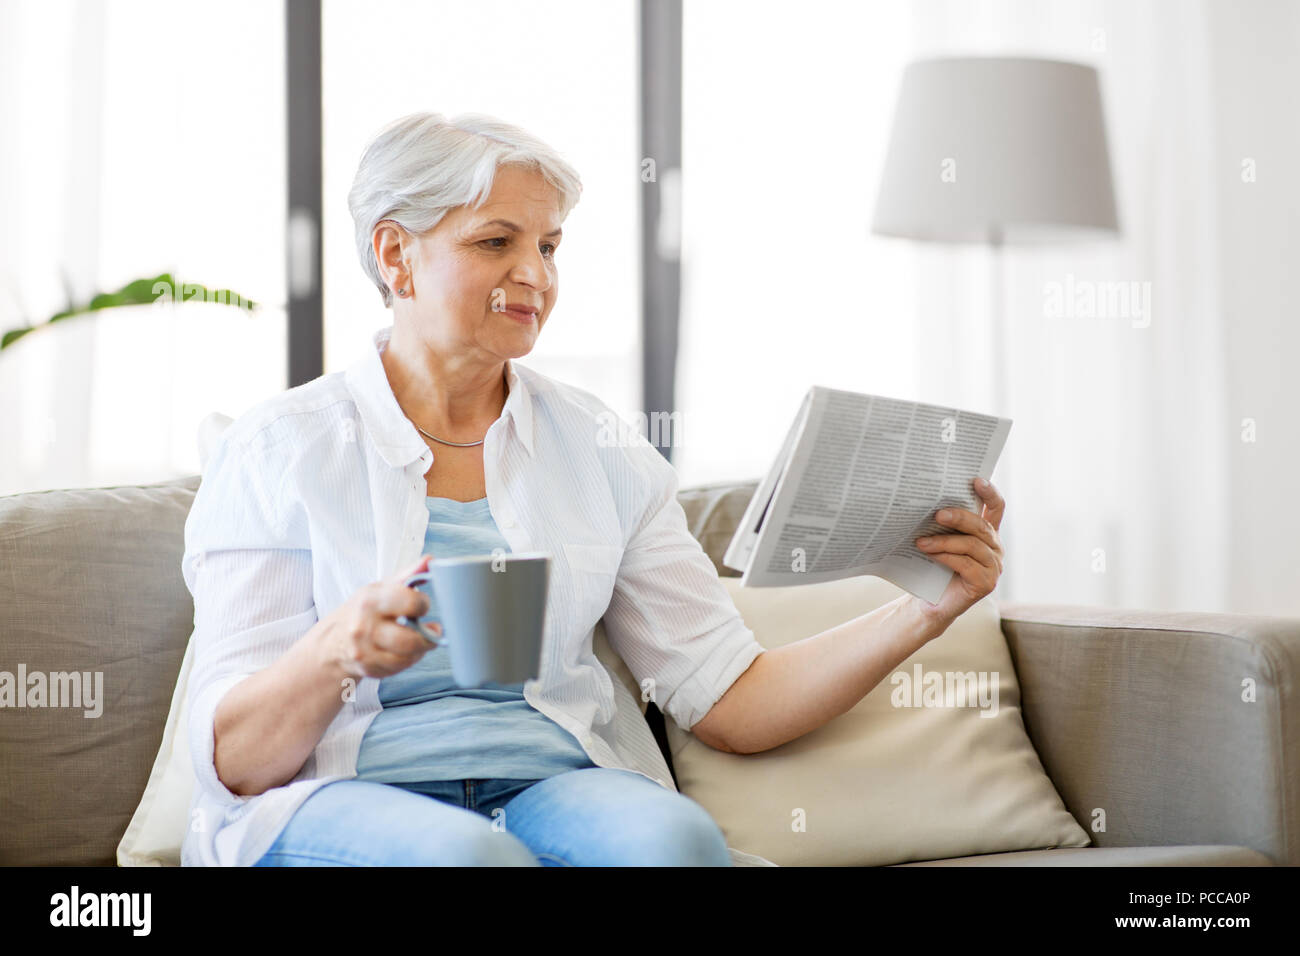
x=592, y=571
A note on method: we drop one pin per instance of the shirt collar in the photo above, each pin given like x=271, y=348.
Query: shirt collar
x=394, y=435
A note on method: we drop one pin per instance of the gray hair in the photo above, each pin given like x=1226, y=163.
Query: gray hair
x=420, y=167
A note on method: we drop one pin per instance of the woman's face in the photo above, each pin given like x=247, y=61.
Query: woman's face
x=476, y=265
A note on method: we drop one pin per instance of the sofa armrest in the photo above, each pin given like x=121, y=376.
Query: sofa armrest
x=1184, y=728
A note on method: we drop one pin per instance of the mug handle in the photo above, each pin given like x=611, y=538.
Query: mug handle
x=414, y=581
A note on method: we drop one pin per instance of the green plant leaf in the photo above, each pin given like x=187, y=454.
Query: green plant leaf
x=141, y=292
x=13, y=335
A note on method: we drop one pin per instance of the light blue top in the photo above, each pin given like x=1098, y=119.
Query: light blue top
x=431, y=729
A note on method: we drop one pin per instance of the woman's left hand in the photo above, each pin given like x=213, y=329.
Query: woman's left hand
x=974, y=552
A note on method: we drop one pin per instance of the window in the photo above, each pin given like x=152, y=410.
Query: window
x=785, y=115
x=141, y=138
x=566, y=73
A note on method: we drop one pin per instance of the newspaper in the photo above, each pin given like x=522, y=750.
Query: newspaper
x=857, y=481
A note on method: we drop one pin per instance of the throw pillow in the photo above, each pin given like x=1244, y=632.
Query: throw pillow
x=906, y=773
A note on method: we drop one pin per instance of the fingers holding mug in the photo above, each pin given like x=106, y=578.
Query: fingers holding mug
x=416, y=604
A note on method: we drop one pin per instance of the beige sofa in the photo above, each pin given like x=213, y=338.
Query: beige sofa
x=1118, y=704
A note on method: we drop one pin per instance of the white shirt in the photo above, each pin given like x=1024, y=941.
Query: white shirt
x=320, y=489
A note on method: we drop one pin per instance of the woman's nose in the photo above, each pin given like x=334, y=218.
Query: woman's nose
x=532, y=270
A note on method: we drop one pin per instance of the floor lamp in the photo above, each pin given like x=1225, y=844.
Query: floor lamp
x=997, y=151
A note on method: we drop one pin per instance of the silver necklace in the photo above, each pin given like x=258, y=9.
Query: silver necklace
x=458, y=444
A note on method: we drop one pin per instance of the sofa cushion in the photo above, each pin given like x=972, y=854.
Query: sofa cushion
x=887, y=781
x=92, y=584
x=1114, y=856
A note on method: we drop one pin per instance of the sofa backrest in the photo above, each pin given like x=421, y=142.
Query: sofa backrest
x=90, y=583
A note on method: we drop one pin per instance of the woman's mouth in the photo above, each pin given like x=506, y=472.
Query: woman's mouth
x=522, y=315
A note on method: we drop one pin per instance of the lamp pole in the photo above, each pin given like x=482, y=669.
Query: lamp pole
x=998, y=339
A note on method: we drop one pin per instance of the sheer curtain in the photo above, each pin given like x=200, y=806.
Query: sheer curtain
x=1117, y=464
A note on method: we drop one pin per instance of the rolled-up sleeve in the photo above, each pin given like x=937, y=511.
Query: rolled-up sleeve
x=249, y=571
x=670, y=618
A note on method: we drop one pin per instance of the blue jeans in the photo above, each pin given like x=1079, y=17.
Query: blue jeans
x=596, y=816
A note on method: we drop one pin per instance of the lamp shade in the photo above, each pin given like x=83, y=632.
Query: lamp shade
x=997, y=149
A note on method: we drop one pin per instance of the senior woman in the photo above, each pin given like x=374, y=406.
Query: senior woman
x=324, y=732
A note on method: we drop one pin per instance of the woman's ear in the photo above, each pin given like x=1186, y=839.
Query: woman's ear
x=394, y=251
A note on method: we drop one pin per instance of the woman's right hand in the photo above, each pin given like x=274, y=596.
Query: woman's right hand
x=362, y=635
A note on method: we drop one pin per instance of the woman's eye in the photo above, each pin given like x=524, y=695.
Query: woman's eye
x=547, y=247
